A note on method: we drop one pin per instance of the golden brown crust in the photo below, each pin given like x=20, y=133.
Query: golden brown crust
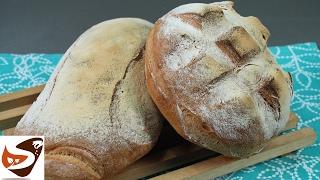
x=211, y=76
x=158, y=97
x=94, y=111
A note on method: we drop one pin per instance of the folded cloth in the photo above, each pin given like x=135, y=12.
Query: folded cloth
x=301, y=60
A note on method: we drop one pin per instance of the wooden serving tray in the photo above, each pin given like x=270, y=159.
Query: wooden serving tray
x=179, y=160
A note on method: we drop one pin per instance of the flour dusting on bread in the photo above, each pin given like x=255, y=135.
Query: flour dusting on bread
x=215, y=64
x=96, y=101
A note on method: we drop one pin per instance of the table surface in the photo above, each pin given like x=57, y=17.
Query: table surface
x=51, y=26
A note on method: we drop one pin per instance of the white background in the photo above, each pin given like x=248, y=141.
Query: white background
x=11, y=142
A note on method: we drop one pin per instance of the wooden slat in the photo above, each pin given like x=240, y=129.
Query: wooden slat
x=13, y=106
x=165, y=160
x=171, y=158
x=292, y=122
x=221, y=165
x=170, y=153
x=20, y=98
x=175, y=157
x=9, y=118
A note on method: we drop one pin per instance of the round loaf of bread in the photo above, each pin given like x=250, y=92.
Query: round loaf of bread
x=95, y=112
x=210, y=73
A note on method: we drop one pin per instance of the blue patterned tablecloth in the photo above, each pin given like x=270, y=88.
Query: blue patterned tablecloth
x=302, y=60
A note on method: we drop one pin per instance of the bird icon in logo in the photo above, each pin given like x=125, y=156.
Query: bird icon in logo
x=13, y=162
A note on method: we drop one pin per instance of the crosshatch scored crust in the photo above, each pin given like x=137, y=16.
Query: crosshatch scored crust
x=210, y=73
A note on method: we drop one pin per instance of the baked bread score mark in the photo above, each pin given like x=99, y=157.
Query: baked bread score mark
x=238, y=45
x=223, y=89
x=95, y=111
x=271, y=96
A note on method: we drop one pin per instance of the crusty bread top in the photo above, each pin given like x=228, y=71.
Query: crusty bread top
x=96, y=98
x=214, y=65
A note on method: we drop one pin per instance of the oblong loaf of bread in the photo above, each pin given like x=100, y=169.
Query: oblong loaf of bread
x=95, y=112
x=210, y=73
